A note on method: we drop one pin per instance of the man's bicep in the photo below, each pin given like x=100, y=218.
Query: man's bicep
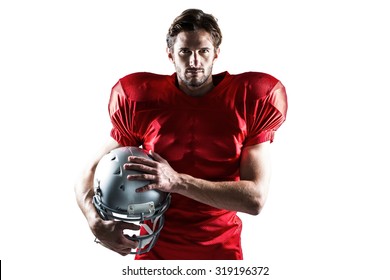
x=255, y=163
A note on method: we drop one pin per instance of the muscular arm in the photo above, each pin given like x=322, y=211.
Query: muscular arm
x=84, y=186
x=110, y=233
x=247, y=195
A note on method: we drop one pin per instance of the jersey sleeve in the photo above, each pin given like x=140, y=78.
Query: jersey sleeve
x=120, y=112
x=268, y=114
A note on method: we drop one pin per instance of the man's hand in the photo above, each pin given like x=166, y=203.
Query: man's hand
x=110, y=234
x=158, y=171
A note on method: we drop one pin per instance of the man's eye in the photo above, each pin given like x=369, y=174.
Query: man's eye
x=204, y=50
x=184, y=51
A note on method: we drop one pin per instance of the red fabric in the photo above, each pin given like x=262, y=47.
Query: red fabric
x=202, y=137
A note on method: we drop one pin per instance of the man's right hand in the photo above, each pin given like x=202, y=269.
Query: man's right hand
x=110, y=234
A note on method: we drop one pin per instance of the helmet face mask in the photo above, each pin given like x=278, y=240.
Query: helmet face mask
x=116, y=199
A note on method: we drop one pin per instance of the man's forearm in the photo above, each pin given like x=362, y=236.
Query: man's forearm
x=84, y=194
x=84, y=186
x=242, y=196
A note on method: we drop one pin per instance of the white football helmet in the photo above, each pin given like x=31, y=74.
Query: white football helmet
x=115, y=197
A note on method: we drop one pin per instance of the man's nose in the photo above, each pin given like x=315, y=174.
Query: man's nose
x=194, y=60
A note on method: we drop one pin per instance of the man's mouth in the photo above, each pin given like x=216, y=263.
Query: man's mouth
x=194, y=70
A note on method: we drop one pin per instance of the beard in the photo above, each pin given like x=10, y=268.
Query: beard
x=194, y=77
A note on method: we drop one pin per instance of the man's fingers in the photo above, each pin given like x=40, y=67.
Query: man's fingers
x=142, y=160
x=140, y=167
x=141, y=177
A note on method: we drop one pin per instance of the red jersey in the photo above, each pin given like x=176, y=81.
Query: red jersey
x=202, y=137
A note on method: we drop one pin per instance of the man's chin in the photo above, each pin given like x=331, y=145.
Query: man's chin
x=195, y=82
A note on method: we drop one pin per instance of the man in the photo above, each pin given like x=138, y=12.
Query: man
x=210, y=137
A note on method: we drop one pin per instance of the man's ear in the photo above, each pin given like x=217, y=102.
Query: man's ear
x=216, y=54
x=170, y=54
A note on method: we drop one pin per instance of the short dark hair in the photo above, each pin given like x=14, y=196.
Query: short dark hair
x=191, y=20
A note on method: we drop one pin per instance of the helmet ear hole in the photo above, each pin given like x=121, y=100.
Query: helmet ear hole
x=117, y=171
x=116, y=198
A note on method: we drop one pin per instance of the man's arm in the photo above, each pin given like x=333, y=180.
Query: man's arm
x=247, y=195
x=109, y=233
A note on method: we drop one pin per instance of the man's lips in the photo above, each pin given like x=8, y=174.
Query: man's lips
x=194, y=70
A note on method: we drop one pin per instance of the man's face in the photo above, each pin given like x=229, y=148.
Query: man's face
x=193, y=56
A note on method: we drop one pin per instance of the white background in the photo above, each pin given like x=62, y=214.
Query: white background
x=327, y=214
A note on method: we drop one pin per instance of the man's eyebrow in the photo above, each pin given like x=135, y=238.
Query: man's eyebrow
x=201, y=48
